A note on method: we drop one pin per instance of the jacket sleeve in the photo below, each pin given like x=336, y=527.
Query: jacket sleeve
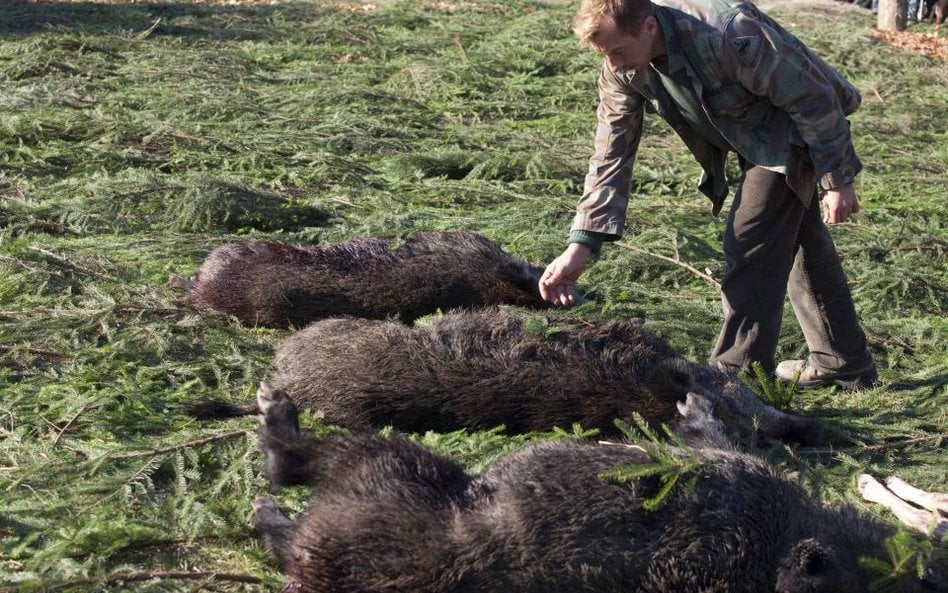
x=770, y=62
x=602, y=208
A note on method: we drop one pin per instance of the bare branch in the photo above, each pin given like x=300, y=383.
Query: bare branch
x=37, y=351
x=706, y=277
x=171, y=448
x=62, y=261
x=147, y=32
x=896, y=444
x=126, y=577
x=65, y=427
x=879, y=447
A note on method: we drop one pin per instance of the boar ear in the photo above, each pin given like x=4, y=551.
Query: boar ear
x=811, y=566
x=672, y=378
x=808, y=557
x=801, y=569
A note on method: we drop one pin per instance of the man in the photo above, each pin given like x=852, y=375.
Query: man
x=727, y=78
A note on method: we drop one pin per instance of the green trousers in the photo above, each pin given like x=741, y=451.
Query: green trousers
x=775, y=246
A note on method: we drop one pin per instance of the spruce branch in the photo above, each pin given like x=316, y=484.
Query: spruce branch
x=770, y=389
x=673, y=461
x=908, y=558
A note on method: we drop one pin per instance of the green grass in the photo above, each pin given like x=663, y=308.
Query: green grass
x=126, y=155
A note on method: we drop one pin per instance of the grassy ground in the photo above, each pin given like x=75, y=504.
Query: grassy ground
x=135, y=137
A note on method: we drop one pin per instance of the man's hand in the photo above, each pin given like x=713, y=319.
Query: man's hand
x=839, y=203
x=558, y=283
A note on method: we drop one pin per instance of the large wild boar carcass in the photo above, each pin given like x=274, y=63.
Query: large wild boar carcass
x=278, y=285
x=388, y=515
x=481, y=369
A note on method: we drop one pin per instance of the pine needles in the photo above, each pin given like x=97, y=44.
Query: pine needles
x=908, y=558
x=126, y=156
x=771, y=390
x=674, y=463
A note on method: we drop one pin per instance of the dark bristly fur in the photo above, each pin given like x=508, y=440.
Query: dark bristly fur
x=481, y=369
x=387, y=515
x=277, y=285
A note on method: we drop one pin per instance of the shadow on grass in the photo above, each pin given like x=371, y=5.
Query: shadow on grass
x=936, y=382
x=21, y=18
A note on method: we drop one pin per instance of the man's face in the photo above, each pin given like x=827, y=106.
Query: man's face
x=622, y=50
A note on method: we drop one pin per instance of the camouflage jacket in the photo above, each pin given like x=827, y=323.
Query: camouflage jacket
x=760, y=87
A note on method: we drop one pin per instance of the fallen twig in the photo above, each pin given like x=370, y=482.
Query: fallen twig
x=125, y=577
x=171, y=448
x=347, y=203
x=706, y=277
x=37, y=351
x=147, y=32
x=457, y=41
x=903, y=443
x=66, y=263
x=65, y=427
x=879, y=447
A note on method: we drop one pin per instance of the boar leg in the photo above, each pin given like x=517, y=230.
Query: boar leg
x=933, y=501
x=181, y=282
x=288, y=453
x=698, y=424
x=916, y=518
x=274, y=528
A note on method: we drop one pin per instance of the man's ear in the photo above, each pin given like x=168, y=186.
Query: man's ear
x=650, y=25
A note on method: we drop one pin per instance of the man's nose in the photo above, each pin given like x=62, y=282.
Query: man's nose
x=615, y=64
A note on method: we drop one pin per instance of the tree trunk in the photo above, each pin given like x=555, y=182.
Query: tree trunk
x=892, y=15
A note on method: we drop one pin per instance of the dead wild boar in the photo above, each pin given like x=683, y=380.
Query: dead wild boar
x=388, y=515
x=278, y=285
x=481, y=369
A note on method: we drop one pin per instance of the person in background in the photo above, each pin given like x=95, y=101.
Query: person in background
x=729, y=79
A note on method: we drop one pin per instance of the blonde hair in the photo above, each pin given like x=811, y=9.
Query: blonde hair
x=627, y=14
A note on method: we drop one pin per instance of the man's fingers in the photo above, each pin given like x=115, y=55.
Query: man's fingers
x=838, y=216
x=549, y=275
x=565, y=295
x=835, y=215
x=838, y=204
x=546, y=285
x=546, y=293
x=562, y=294
x=549, y=291
x=565, y=300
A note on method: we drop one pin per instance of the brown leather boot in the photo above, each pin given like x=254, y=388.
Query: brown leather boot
x=810, y=377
